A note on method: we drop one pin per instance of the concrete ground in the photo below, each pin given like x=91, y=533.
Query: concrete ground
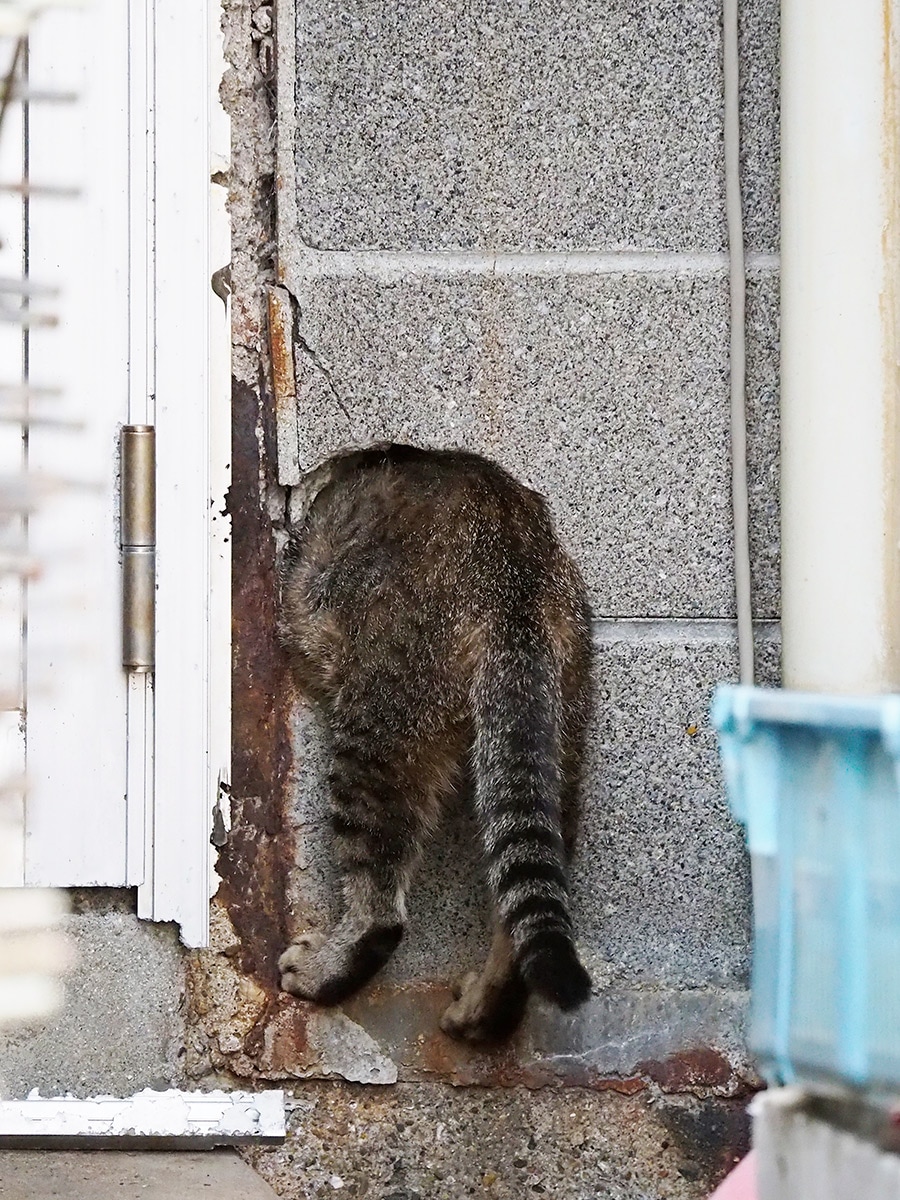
x=128, y=1175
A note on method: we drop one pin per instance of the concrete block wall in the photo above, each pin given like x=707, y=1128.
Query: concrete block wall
x=503, y=228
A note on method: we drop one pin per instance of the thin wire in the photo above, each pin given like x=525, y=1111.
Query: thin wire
x=738, y=288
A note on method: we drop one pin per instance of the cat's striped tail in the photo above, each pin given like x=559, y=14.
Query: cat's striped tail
x=516, y=714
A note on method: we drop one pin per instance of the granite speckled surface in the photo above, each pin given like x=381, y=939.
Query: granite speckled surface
x=528, y=125
x=607, y=393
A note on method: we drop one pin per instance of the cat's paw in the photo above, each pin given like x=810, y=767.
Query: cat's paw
x=300, y=972
x=485, y=1010
x=460, y=986
x=464, y=1019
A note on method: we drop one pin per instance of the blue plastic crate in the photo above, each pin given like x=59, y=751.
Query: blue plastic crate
x=814, y=779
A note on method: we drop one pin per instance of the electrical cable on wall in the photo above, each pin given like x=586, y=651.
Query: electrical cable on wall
x=738, y=353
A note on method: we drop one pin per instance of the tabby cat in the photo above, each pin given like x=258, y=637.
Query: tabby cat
x=432, y=617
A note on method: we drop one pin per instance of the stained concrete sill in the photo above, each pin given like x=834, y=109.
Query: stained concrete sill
x=128, y=1175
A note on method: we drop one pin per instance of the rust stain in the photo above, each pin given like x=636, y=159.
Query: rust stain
x=287, y=1043
x=433, y=1053
x=253, y=865
x=272, y=1036
x=284, y=388
x=280, y=1043
x=407, y=1019
x=702, y=1069
x=281, y=348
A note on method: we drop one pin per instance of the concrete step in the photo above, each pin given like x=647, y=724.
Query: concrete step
x=128, y=1175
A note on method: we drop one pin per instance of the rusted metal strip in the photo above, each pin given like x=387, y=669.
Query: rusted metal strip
x=284, y=387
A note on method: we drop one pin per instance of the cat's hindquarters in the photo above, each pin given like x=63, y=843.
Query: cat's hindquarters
x=516, y=710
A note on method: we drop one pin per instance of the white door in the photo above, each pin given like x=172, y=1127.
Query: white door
x=116, y=151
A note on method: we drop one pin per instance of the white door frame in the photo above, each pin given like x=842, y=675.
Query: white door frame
x=148, y=343
x=191, y=385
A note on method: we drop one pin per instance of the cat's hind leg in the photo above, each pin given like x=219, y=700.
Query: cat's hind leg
x=491, y=1003
x=380, y=820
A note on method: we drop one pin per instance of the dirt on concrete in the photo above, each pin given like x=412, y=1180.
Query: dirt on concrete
x=436, y=1142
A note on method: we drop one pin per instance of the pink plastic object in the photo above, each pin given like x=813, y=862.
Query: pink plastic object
x=741, y=1183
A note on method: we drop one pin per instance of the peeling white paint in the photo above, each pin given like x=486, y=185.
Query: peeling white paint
x=218, y=1116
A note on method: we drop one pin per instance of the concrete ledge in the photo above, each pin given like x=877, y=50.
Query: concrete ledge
x=433, y=1142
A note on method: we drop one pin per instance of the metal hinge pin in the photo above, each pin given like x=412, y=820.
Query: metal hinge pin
x=138, y=541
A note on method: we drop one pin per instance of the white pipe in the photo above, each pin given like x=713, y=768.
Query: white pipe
x=839, y=358
x=737, y=277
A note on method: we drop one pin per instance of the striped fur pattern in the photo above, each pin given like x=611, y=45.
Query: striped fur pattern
x=433, y=618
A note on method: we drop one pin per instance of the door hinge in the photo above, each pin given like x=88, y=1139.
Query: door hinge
x=138, y=540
